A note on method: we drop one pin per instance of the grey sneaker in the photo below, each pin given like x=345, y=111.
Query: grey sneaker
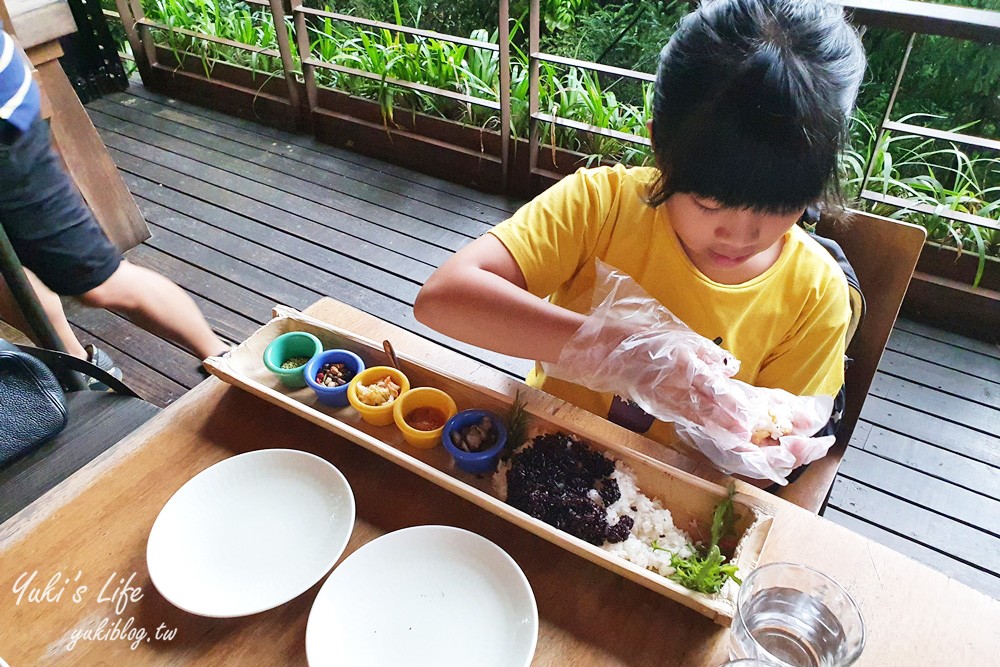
x=100, y=358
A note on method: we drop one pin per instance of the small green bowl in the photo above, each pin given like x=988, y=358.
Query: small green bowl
x=286, y=346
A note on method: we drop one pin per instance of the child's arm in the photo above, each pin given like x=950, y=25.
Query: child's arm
x=480, y=296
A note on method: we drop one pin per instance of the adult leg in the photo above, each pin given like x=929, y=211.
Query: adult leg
x=56, y=235
x=11, y=313
x=158, y=305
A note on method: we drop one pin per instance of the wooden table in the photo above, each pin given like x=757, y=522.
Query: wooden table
x=97, y=420
x=93, y=528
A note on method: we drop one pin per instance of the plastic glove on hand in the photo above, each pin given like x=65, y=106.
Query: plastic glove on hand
x=773, y=433
x=629, y=341
x=632, y=346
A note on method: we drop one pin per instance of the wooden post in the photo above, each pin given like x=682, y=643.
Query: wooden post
x=305, y=55
x=287, y=64
x=73, y=135
x=142, y=61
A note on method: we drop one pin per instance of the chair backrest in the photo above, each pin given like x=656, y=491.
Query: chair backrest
x=884, y=253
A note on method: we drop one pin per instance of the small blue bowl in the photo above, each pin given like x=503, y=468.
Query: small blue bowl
x=333, y=396
x=474, y=462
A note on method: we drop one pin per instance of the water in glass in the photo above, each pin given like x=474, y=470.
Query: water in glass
x=792, y=626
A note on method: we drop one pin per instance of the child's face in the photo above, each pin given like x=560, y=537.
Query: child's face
x=728, y=245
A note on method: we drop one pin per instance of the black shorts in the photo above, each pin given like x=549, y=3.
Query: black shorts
x=51, y=228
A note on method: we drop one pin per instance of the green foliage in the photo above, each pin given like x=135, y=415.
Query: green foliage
x=236, y=21
x=561, y=14
x=452, y=17
x=921, y=171
x=622, y=34
x=454, y=67
x=948, y=83
x=705, y=570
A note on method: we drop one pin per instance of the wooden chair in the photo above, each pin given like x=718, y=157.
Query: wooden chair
x=884, y=254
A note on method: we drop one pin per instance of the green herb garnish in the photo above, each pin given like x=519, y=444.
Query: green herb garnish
x=517, y=426
x=704, y=570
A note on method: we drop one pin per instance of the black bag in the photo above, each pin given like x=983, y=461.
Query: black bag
x=32, y=401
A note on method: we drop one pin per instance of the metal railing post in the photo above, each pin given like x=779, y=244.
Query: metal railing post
x=503, y=39
x=129, y=23
x=886, y=116
x=31, y=308
x=534, y=42
x=305, y=57
x=146, y=51
x=285, y=48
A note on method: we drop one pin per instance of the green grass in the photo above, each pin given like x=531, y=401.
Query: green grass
x=918, y=170
x=930, y=172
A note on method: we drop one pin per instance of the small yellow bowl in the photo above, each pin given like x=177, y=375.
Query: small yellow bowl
x=423, y=397
x=376, y=415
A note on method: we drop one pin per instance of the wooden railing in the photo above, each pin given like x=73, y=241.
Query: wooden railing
x=302, y=102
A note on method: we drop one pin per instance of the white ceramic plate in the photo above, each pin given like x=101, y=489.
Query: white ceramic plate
x=432, y=596
x=250, y=533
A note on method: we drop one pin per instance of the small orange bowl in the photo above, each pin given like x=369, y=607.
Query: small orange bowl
x=376, y=415
x=418, y=399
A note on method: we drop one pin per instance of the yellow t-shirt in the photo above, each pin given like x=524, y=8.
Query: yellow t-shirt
x=786, y=326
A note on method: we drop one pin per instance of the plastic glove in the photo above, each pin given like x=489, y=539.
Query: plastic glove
x=629, y=339
x=774, y=435
x=633, y=346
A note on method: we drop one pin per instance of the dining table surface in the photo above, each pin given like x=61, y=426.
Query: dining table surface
x=75, y=559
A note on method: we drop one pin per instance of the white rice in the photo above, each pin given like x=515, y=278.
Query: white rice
x=653, y=524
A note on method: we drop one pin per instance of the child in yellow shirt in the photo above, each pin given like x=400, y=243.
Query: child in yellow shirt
x=752, y=103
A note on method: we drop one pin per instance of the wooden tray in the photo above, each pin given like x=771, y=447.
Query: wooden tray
x=689, y=498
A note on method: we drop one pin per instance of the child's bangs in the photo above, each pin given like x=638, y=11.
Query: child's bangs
x=742, y=169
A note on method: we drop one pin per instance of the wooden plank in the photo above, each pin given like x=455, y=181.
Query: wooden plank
x=926, y=18
x=40, y=22
x=690, y=499
x=944, y=354
x=267, y=285
x=12, y=335
x=932, y=460
x=947, y=303
x=935, y=376
x=168, y=359
x=198, y=198
x=945, y=336
x=304, y=162
x=300, y=245
x=920, y=489
x=194, y=279
x=389, y=236
x=88, y=162
x=97, y=420
x=974, y=415
x=268, y=184
x=244, y=262
x=279, y=290
x=930, y=529
x=499, y=202
x=928, y=427
x=275, y=170
x=144, y=380
x=982, y=581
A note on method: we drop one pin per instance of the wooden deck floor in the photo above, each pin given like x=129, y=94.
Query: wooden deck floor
x=244, y=217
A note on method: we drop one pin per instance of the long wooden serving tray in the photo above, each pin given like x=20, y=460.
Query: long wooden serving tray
x=690, y=499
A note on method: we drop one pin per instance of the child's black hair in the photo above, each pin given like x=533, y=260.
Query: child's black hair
x=752, y=104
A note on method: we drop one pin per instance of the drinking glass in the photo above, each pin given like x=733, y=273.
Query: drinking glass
x=794, y=616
